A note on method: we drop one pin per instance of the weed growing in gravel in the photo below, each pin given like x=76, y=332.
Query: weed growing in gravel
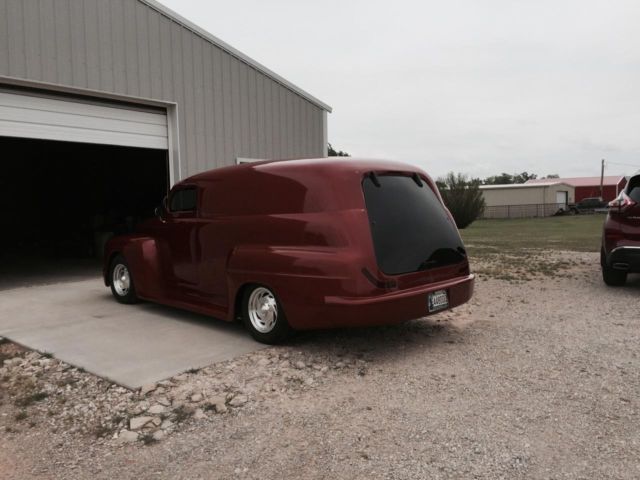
x=116, y=419
x=101, y=431
x=21, y=415
x=63, y=382
x=182, y=413
x=31, y=399
x=148, y=439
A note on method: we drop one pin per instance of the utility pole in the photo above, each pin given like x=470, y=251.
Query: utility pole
x=601, y=177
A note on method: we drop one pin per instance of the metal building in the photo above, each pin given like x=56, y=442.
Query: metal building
x=587, y=187
x=523, y=200
x=106, y=103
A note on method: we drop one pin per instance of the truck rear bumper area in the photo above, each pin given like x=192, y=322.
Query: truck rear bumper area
x=626, y=259
x=387, y=309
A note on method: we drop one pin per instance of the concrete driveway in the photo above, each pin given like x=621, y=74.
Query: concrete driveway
x=132, y=345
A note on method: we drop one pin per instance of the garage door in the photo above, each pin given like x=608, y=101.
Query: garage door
x=29, y=116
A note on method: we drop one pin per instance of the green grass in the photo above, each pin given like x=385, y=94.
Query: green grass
x=577, y=233
x=524, y=249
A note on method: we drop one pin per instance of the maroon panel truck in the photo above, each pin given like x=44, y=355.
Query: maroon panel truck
x=297, y=244
x=620, y=252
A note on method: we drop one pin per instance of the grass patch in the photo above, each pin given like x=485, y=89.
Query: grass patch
x=518, y=249
x=580, y=233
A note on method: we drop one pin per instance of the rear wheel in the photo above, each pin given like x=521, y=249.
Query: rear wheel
x=122, y=286
x=263, y=315
x=613, y=278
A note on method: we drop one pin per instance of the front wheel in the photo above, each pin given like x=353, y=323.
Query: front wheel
x=121, y=281
x=263, y=315
x=613, y=278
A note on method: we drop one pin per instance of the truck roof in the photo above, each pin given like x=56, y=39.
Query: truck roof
x=332, y=165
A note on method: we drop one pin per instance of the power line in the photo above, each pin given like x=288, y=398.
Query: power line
x=607, y=162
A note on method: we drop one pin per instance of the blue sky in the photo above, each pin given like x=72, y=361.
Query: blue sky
x=465, y=86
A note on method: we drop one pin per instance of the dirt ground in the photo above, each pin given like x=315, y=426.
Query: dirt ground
x=532, y=379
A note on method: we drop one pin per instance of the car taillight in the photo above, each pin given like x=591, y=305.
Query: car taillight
x=622, y=203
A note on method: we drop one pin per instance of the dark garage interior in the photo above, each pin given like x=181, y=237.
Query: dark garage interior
x=63, y=200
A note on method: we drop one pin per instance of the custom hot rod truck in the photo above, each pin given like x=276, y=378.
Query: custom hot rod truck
x=297, y=244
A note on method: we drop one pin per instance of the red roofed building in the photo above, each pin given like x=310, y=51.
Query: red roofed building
x=590, y=186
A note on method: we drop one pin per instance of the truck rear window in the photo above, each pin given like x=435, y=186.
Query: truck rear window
x=410, y=228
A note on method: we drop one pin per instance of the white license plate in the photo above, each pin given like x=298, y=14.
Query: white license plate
x=437, y=300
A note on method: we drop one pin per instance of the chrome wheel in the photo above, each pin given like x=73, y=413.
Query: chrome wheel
x=121, y=280
x=262, y=310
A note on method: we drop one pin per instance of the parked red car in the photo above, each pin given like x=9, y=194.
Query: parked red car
x=299, y=244
x=620, y=252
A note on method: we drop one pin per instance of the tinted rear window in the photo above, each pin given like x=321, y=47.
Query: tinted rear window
x=410, y=228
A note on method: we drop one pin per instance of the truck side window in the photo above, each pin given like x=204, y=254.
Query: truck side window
x=184, y=200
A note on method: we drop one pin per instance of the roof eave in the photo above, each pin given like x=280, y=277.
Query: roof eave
x=236, y=53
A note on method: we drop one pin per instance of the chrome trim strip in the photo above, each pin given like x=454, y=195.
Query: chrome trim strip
x=623, y=248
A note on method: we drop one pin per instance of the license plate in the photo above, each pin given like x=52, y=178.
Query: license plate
x=437, y=300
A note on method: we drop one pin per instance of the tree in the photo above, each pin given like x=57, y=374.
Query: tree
x=462, y=197
x=505, y=178
x=552, y=175
x=337, y=153
x=502, y=179
x=523, y=177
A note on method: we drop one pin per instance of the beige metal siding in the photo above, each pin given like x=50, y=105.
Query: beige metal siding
x=513, y=196
x=550, y=193
x=525, y=196
x=226, y=107
x=522, y=202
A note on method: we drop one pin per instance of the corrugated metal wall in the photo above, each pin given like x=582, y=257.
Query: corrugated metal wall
x=226, y=108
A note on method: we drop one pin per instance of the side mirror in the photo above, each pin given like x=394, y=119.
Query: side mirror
x=160, y=211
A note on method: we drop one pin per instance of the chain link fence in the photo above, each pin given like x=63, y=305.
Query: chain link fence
x=524, y=211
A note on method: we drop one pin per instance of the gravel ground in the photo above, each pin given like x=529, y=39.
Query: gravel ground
x=533, y=379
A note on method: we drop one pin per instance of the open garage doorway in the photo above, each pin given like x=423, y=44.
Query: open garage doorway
x=61, y=201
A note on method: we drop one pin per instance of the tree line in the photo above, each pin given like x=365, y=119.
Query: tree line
x=507, y=178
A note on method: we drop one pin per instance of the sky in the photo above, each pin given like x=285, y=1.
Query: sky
x=478, y=87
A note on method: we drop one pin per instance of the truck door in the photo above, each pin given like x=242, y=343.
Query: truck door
x=180, y=236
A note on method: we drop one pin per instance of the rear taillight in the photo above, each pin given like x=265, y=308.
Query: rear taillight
x=622, y=203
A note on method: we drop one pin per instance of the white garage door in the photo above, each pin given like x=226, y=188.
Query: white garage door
x=28, y=116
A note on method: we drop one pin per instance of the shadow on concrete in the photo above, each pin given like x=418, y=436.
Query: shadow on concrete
x=19, y=272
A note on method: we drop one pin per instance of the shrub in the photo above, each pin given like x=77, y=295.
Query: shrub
x=462, y=197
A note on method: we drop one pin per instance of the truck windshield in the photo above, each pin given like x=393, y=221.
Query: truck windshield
x=410, y=228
